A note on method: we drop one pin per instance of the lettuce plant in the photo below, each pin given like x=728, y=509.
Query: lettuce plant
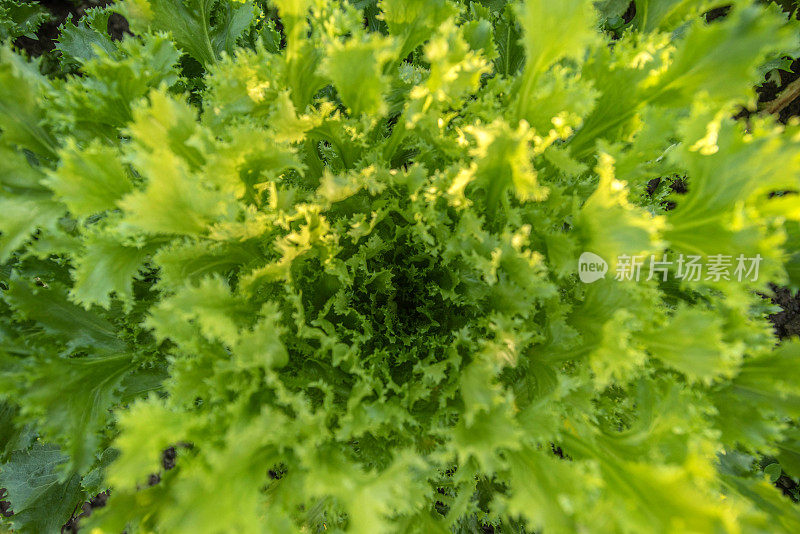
x=326, y=256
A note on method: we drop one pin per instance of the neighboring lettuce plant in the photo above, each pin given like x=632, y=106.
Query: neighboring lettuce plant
x=20, y=19
x=327, y=252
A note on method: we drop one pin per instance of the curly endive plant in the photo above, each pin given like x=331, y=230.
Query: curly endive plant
x=327, y=252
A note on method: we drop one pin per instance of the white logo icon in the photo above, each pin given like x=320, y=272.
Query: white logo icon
x=591, y=267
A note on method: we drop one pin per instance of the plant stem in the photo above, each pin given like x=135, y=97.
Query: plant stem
x=786, y=97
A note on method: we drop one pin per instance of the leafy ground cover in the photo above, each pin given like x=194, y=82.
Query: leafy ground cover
x=312, y=266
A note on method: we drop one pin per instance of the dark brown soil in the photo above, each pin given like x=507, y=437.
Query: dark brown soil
x=787, y=321
x=61, y=10
x=5, y=506
x=770, y=90
x=99, y=501
x=168, y=458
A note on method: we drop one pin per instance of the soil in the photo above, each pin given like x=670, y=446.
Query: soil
x=61, y=10
x=86, y=509
x=787, y=321
x=5, y=506
x=770, y=90
x=72, y=526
